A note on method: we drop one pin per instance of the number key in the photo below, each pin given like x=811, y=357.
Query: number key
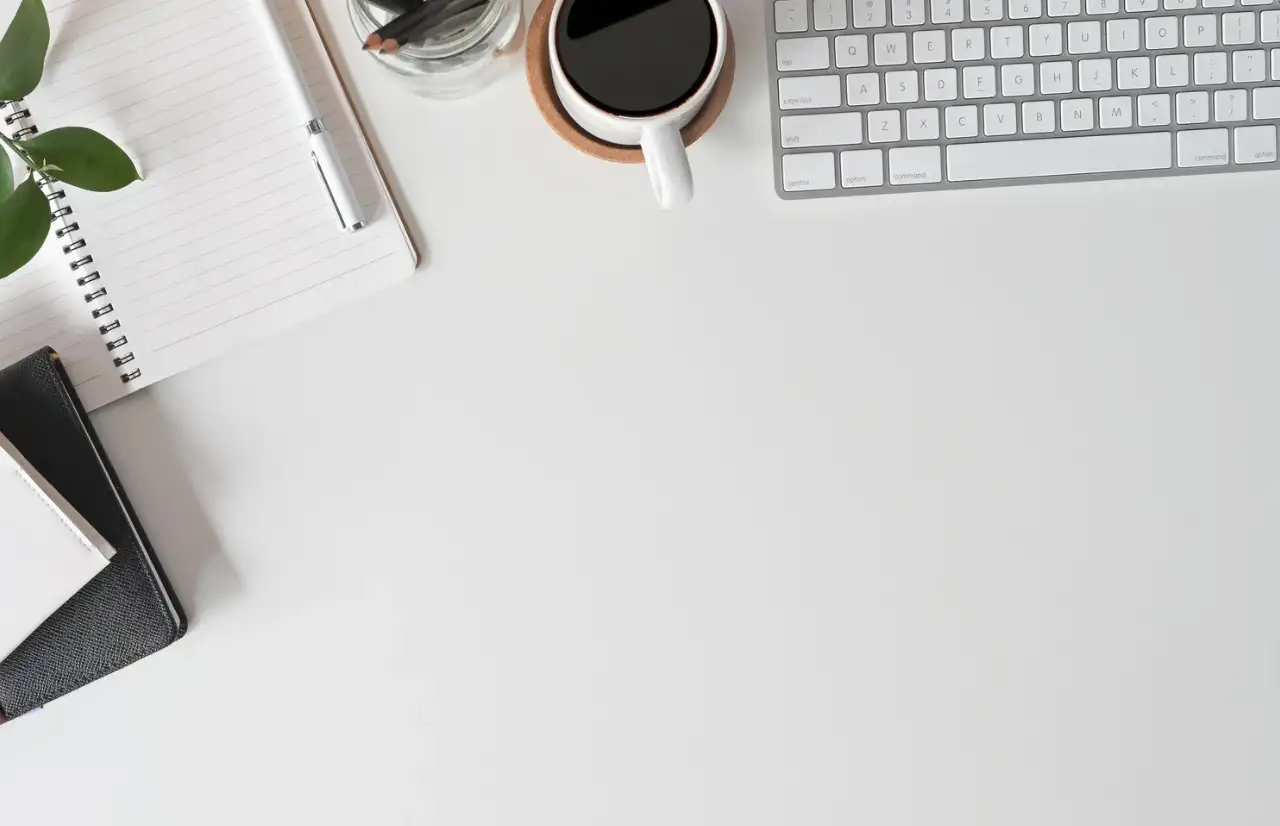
x=790, y=16
x=870, y=14
x=1024, y=9
x=980, y=10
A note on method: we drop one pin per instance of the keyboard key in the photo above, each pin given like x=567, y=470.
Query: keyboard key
x=1095, y=75
x=1179, y=5
x=1024, y=9
x=902, y=87
x=862, y=89
x=1153, y=110
x=1211, y=68
x=870, y=14
x=1122, y=35
x=808, y=172
x=1173, y=70
x=862, y=167
x=1218, y=4
x=1038, y=117
x=830, y=15
x=968, y=44
x=884, y=126
x=908, y=12
x=1077, y=115
x=1141, y=5
x=1162, y=32
x=947, y=11
x=1202, y=147
x=891, y=49
x=1266, y=103
x=980, y=81
x=1255, y=144
x=1006, y=42
x=1133, y=73
x=1055, y=78
x=1200, y=30
x=1064, y=8
x=999, y=119
x=940, y=84
x=1046, y=39
x=929, y=47
x=915, y=165
x=1255, y=2
x=1102, y=6
x=1271, y=27
x=851, y=51
x=790, y=16
x=1017, y=80
x=1249, y=66
x=1238, y=28
x=922, y=124
x=803, y=54
x=835, y=129
x=983, y=10
x=1058, y=156
x=808, y=92
x=962, y=121
x=1275, y=64
x=1192, y=107
x=1230, y=105
x=1084, y=37
x=1115, y=113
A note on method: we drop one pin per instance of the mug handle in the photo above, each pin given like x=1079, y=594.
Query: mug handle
x=668, y=164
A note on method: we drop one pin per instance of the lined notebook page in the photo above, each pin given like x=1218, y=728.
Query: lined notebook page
x=41, y=305
x=231, y=236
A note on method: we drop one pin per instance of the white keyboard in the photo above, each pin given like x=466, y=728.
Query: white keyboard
x=877, y=96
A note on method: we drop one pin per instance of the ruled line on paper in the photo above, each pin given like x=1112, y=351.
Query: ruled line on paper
x=280, y=252
x=65, y=77
x=251, y=219
x=278, y=300
x=118, y=219
x=264, y=264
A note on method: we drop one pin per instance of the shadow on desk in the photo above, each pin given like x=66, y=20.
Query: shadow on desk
x=148, y=458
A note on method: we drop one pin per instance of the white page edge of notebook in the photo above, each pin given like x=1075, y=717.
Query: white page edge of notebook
x=12, y=459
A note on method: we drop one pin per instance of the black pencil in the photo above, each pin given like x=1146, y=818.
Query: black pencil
x=408, y=27
x=396, y=27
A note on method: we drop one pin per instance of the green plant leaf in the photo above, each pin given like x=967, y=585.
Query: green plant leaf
x=82, y=157
x=23, y=49
x=24, y=224
x=6, y=174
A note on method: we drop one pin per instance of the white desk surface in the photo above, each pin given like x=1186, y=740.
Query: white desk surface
x=947, y=509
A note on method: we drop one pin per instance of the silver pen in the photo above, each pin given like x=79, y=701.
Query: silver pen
x=324, y=155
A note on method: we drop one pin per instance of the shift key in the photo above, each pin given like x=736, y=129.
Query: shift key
x=821, y=92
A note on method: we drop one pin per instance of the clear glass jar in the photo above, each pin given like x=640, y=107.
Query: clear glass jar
x=453, y=60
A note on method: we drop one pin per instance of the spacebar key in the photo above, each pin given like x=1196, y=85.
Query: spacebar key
x=1059, y=156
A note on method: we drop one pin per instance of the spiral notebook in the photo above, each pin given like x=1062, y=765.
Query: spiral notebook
x=230, y=237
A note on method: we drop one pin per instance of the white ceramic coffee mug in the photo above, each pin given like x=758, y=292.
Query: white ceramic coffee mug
x=658, y=136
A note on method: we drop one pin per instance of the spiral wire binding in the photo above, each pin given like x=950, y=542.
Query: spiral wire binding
x=75, y=247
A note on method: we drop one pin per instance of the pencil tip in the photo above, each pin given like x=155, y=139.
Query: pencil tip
x=390, y=46
x=372, y=42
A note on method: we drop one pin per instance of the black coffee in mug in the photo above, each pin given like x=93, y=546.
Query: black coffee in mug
x=636, y=58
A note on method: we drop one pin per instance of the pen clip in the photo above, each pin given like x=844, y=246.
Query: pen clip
x=324, y=179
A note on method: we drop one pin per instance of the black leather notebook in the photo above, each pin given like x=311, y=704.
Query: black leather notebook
x=128, y=610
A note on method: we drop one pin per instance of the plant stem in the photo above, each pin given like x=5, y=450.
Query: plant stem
x=25, y=157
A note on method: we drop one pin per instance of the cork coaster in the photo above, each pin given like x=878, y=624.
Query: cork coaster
x=537, y=66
